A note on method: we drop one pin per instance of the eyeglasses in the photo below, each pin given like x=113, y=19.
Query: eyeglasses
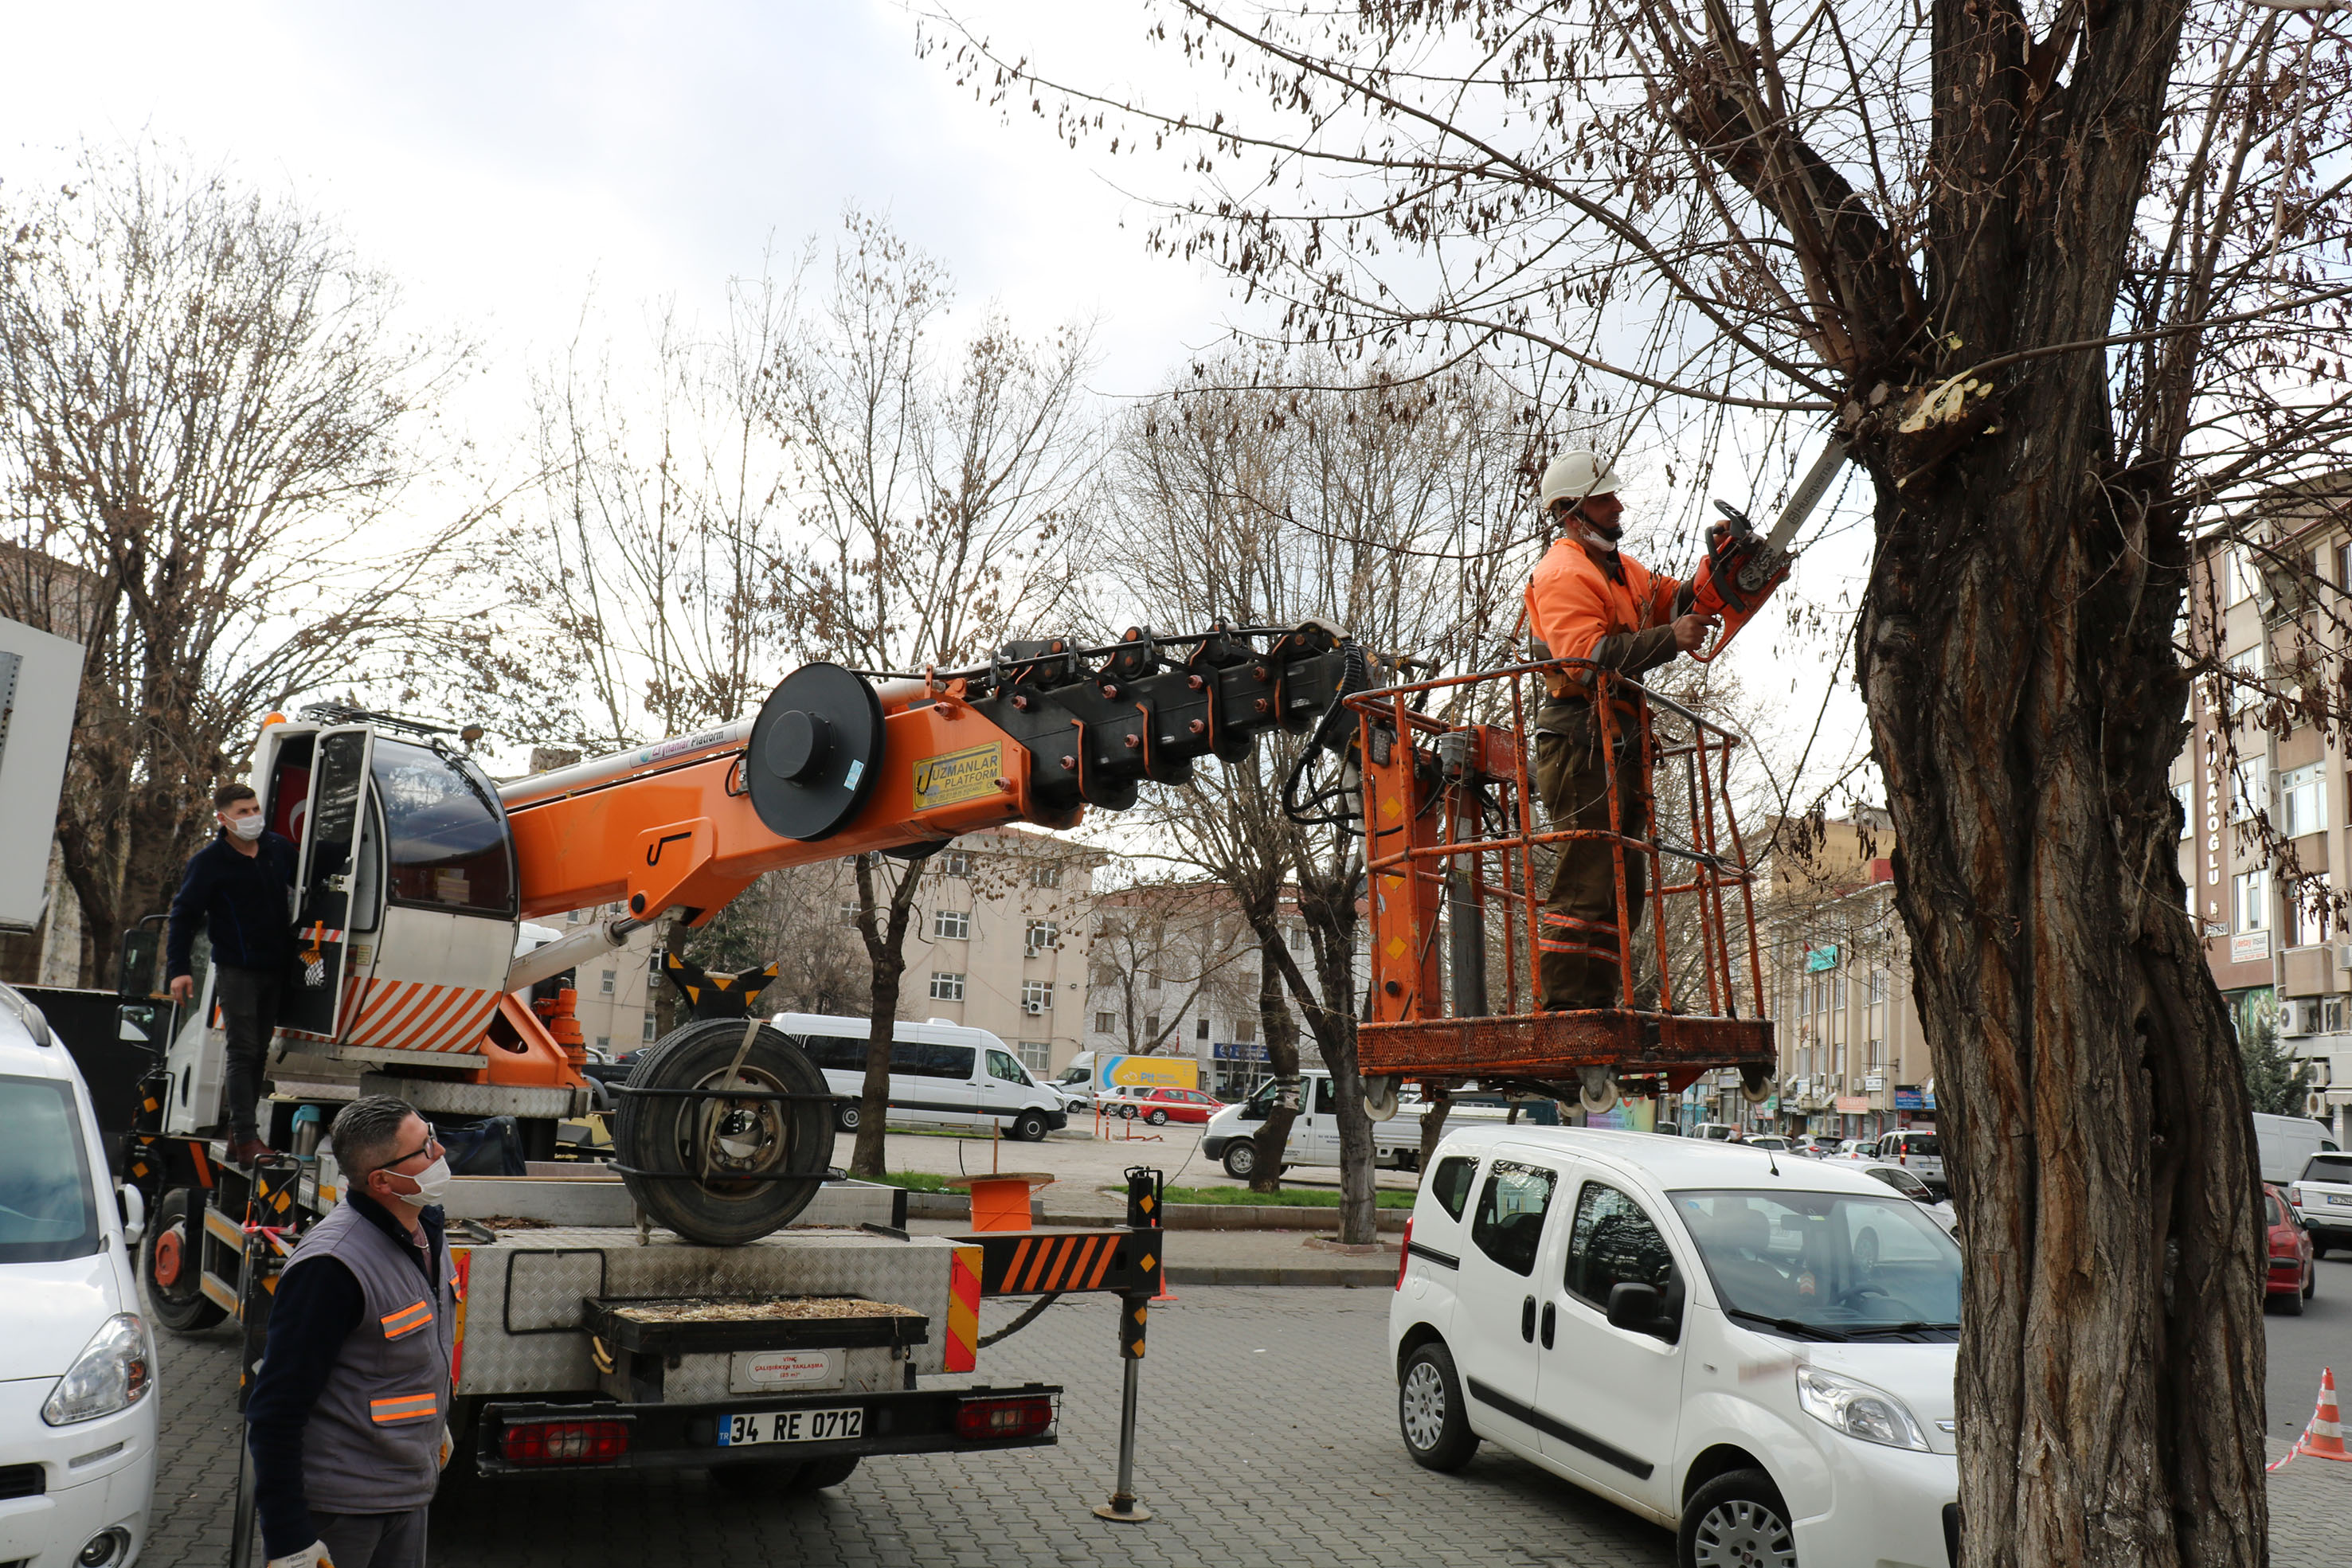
x=431, y=1145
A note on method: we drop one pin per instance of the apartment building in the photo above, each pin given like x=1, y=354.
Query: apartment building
x=1853, y=1058
x=1000, y=941
x=2265, y=806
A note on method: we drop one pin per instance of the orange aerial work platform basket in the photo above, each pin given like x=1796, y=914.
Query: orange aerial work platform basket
x=1459, y=855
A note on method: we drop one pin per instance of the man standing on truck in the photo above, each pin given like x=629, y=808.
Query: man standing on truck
x=239, y=887
x=347, y=1422
x=1590, y=600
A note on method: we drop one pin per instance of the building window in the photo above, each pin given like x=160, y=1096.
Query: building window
x=1043, y=935
x=649, y=1028
x=1151, y=1026
x=605, y=1042
x=2307, y=913
x=1151, y=979
x=849, y=912
x=2251, y=780
x=1036, y=1055
x=2185, y=793
x=2243, y=575
x=1200, y=1028
x=952, y=862
x=2249, y=891
x=2303, y=801
x=1245, y=1030
x=1106, y=1023
x=604, y=984
x=1036, y=996
x=951, y=925
x=946, y=988
x=1045, y=873
x=1299, y=939
x=576, y=917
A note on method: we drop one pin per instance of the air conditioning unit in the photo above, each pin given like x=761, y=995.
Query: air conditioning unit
x=2344, y=955
x=2300, y=1017
x=1032, y=1008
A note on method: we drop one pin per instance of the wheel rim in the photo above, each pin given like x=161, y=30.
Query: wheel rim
x=735, y=1137
x=1243, y=1160
x=168, y=1258
x=1741, y=1532
x=1421, y=1403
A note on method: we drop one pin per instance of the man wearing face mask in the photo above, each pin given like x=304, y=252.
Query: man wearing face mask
x=1590, y=600
x=239, y=887
x=348, y=1419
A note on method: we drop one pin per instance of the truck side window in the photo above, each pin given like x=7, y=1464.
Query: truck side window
x=1613, y=1243
x=1326, y=1103
x=1511, y=1214
x=1452, y=1183
x=1000, y=1065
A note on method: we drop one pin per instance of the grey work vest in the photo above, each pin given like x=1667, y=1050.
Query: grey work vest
x=373, y=1441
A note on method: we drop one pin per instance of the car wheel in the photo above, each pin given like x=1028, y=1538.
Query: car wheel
x=2291, y=1304
x=846, y=1117
x=1157, y=1118
x=2319, y=1249
x=1436, y=1429
x=2310, y=1279
x=1736, y=1521
x=1241, y=1159
x=173, y=1258
x=1030, y=1128
x=820, y=1473
x=1128, y=1112
x=724, y=1177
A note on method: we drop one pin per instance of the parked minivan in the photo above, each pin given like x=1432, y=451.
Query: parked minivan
x=77, y=1407
x=1314, y=1134
x=942, y=1074
x=2285, y=1145
x=1757, y=1354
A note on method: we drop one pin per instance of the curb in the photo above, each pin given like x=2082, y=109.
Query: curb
x=1350, y=1278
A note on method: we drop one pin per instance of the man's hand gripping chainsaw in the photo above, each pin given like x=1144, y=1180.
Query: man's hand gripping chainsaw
x=1742, y=567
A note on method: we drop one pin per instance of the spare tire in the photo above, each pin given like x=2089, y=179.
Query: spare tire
x=709, y=1168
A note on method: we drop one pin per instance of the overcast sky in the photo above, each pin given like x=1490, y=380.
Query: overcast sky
x=505, y=161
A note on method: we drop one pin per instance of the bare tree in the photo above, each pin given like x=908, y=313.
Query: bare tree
x=937, y=501
x=802, y=919
x=2068, y=281
x=209, y=416
x=1162, y=952
x=1392, y=508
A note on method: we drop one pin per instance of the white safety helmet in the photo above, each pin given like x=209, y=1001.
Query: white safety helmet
x=1573, y=475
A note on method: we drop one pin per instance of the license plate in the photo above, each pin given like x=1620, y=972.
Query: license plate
x=2340, y=1199
x=791, y=1427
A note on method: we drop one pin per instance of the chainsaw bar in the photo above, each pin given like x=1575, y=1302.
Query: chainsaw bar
x=1772, y=557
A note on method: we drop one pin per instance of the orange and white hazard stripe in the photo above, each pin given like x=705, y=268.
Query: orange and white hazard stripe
x=963, y=1310
x=411, y=1015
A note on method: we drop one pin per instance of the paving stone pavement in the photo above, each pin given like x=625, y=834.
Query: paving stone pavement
x=1268, y=1434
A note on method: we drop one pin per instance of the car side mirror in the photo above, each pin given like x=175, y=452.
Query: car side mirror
x=1635, y=1307
x=133, y=1204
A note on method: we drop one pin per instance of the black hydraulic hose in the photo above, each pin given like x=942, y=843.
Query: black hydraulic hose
x=1023, y=1321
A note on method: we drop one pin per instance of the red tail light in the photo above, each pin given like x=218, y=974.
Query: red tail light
x=565, y=1442
x=1022, y=1416
x=1404, y=1252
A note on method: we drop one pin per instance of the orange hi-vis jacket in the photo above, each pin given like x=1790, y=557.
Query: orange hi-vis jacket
x=1575, y=608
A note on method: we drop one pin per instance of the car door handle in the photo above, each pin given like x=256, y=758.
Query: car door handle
x=1528, y=1319
x=1548, y=1318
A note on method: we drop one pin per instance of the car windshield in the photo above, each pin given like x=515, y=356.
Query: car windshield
x=1830, y=1265
x=47, y=1207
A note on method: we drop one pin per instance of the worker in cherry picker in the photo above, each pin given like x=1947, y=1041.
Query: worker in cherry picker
x=1590, y=600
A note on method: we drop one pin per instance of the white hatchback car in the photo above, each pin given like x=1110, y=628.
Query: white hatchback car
x=78, y=1406
x=1755, y=1351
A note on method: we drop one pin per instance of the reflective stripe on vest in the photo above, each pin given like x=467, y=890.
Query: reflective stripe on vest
x=403, y=1407
x=409, y=1320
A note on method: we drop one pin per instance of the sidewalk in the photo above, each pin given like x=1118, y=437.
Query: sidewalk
x=1248, y=1256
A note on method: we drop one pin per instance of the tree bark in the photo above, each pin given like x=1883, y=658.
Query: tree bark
x=1281, y=1032
x=884, y=931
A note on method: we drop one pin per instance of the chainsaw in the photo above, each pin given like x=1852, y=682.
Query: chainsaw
x=1743, y=566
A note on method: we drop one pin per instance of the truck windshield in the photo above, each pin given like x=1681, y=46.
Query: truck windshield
x=1833, y=1265
x=447, y=843
x=48, y=1209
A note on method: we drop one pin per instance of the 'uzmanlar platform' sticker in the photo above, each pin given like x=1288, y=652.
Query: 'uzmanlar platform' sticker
x=959, y=775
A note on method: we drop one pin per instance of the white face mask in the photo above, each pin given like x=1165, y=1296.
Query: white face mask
x=431, y=1183
x=248, y=828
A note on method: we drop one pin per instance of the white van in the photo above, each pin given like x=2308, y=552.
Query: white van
x=942, y=1074
x=77, y=1408
x=1313, y=1136
x=2285, y=1145
x=1757, y=1354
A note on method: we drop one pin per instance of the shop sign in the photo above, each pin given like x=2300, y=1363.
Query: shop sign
x=1237, y=1052
x=1852, y=1105
x=2250, y=947
x=1872, y=1083
x=1908, y=1098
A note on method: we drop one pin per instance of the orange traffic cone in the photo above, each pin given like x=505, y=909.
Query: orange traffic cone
x=2324, y=1439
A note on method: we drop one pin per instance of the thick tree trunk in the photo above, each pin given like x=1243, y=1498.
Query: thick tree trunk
x=1280, y=1031
x=2026, y=706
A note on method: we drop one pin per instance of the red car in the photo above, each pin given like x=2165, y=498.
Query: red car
x=2292, y=1277
x=1161, y=1106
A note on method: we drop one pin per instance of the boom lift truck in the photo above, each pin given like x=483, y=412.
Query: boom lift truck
x=729, y=1337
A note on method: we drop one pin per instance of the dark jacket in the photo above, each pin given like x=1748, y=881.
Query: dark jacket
x=315, y=1310
x=241, y=900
